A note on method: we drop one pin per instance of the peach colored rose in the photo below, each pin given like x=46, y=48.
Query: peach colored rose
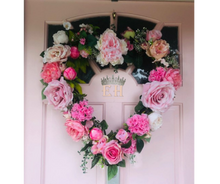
x=153, y=35
x=51, y=71
x=158, y=96
x=173, y=76
x=111, y=49
x=69, y=73
x=75, y=129
x=57, y=53
x=112, y=152
x=58, y=94
x=159, y=49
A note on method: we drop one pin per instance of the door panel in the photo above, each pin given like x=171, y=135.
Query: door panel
x=51, y=156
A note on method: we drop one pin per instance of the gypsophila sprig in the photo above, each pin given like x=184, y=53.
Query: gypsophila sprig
x=62, y=89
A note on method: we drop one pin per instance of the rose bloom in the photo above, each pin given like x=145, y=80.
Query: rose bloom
x=138, y=124
x=112, y=152
x=84, y=53
x=75, y=129
x=173, y=76
x=111, y=49
x=158, y=96
x=155, y=120
x=57, y=53
x=132, y=149
x=153, y=35
x=97, y=147
x=51, y=71
x=58, y=94
x=69, y=73
x=96, y=134
x=74, y=52
x=159, y=49
x=60, y=37
x=157, y=75
x=122, y=135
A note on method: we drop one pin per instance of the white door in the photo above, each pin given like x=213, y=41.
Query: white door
x=50, y=154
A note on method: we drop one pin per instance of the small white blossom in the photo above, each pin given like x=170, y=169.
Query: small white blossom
x=67, y=25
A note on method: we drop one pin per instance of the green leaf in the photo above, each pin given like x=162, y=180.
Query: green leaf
x=71, y=35
x=140, y=145
x=42, y=54
x=83, y=34
x=80, y=80
x=91, y=40
x=128, y=59
x=112, y=171
x=71, y=84
x=42, y=93
x=139, y=107
x=134, y=136
x=122, y=163
x=104, y=125
x=147, y=139
x=127, y=145
x=95, y=160
x=81, y=47
x=78, y=87
x=86, y=146
x=141, y=137
x=138, y=61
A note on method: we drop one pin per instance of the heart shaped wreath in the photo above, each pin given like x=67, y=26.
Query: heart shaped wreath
x=70, y=54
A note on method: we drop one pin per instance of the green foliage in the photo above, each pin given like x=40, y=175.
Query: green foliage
x=112, y=171
x=122, y=163
x=104, y=125
x=42, y=54
x=91, y=40
x=127, y=145
x=140, y=145
x=96, y=160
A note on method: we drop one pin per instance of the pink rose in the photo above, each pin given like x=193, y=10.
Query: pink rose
x=75, y=129
x=74, y=52
x=57, y=53
x=69, y=73
x=59, y=94
x=122, y=135
x=97, y=148
x=157, y=75
x=154, y=35
x=159, y=49
x=111, y=49
x=112, y=152
x=129, y=45
x=173, y=76
x=84, y=53
x=158, y=96
x=51, y=71
x=138, y=124
x=132, y=149
x=96, y=134
x=82, y=41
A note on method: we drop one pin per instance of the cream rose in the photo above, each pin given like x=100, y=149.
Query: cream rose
x=57, y=53
x=155, y=120
x=60, y=37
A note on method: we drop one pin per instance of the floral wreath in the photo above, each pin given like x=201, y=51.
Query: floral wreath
x=71, y=52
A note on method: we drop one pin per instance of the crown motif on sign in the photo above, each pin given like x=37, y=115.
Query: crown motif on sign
x=113, y=80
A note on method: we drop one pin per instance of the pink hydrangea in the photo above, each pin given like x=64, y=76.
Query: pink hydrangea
x=81, y=111
x=138, y=124
x=157, y=75
x=132, y=149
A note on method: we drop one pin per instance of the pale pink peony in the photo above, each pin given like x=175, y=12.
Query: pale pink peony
x=111, y=49
x=112, y=152
x=81, y=111
x=75, y=129
x=138, y=124
x=51, y=71
x=132, y=149
x=153, y=35
x=96, y=134
x=157, y=75
x=122, y=135
x=69, y=73
x=158, y=96
x=74, y=52
x=59, y=94
x=159, y=49
x=98, y=146
x=173, y=76
x=57, y=53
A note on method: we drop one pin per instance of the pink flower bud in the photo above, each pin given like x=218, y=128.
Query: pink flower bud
x=96, y=134
x=122, y=135
x=154, y=35
x=69, y=73
x=74, y=52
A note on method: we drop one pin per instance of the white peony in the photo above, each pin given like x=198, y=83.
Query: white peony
x=60, y=37
x=155, y=120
